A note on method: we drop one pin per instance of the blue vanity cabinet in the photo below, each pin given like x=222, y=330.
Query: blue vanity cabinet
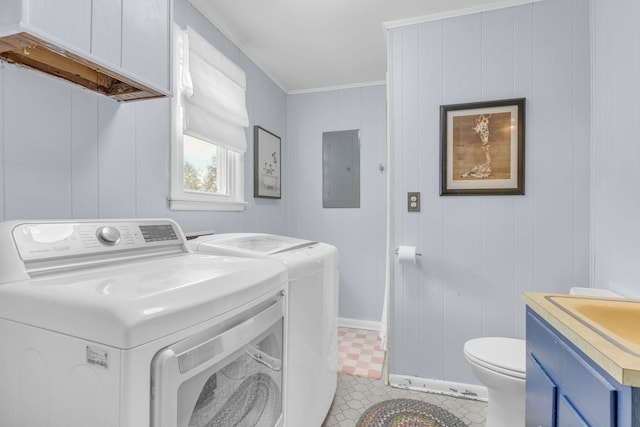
x=565, y=388
x=542, y=394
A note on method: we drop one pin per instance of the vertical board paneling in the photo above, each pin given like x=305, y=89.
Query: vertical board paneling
x=462, y=71
x=605, y=62
x=37, y=128
x=349, y=109
x=625, y=230
x=106, y=30
x=523, y=210
x=358, y=233
x=462, y=254
x=410, y=177
x=462, y=59
x=116, y=160
x=342, y=111
x=431, y=237
x=498, y=54
x=2, y=138
x=498, y=267
x=615, y=174
x=144, y=23
x=381, y=201
x=625, y=107
x=370, y=203
x=310, y=166
x=553, y=127
x=581, y=133
x=293, y=114
x=152, y=153
x=305, y=161
x=84, y=154
x=481, y=252
x=497, y=212
x=396, y=77
x=12, y=12
x=69, y=21
x=266, y=106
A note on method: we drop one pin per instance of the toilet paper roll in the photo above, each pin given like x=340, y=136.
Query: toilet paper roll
x=407, y=254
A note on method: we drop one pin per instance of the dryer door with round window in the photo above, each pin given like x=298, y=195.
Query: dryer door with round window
x=229, y=375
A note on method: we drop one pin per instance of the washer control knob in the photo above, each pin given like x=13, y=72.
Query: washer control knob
x=108, y=235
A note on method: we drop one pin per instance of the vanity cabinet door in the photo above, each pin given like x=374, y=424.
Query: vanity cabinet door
x=541, y=395
x=581, y=391
x=592, y=396
x=568, y=416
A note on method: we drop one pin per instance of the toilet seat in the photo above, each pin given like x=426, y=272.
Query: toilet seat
x=504, y=355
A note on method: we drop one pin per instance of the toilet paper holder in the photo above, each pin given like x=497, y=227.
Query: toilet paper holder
x=396, y=252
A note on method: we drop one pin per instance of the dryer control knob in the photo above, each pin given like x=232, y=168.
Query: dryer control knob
x=108, y=235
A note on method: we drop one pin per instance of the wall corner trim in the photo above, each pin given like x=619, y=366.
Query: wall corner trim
x=453, y=13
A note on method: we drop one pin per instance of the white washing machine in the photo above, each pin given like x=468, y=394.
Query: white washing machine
x=116, y=323
x=312, y=317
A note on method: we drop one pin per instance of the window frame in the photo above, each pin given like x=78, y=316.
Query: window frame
x=181, y=199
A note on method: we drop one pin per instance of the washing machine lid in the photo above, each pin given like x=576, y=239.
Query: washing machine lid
x=504, y=355
x=122, y=283
x=301, y=257
x=248, y=244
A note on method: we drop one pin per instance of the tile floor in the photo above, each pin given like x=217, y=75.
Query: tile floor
x=360, y=363
x=359, y=353
x=356, y=394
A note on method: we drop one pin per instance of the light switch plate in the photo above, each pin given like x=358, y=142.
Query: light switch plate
x=413, y=201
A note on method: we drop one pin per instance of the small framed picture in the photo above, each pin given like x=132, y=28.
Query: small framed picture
x=482, y=148
x=267, y=176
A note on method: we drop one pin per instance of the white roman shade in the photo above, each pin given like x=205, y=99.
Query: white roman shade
x=213, y=93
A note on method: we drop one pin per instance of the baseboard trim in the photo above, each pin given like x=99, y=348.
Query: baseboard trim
x=359, y=324
x=466, y=391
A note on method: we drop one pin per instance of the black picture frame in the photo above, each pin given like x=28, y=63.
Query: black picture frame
x=267, y=164
x=482, y=148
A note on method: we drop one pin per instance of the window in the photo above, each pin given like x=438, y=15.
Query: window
x=200, y=166
x=209, y=121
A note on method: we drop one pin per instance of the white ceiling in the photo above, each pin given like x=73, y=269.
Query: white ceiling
x=306, y=45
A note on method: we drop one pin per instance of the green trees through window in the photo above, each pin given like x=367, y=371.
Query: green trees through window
x=201, y=180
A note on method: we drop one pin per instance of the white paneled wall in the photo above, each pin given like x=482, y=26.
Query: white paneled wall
x=616, y=146
x=2, y=144
x=69, y=153
x=359, y=234
x=481, y=252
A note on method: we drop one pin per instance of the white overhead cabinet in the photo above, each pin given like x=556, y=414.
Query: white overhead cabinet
x=119, y=48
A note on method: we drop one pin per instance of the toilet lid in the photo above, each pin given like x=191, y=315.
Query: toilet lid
x=504, y=355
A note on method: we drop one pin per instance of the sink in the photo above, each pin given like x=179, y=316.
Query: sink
x=615, y=319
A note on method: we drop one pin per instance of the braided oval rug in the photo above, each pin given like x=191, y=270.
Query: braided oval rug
x=408, y=413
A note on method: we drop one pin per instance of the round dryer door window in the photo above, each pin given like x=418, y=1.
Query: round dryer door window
x=223, y=378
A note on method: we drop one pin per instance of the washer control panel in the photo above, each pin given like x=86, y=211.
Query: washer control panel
x=53, y=239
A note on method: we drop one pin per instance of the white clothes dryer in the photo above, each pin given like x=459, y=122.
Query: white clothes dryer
x=312, y=340
x=116, y=323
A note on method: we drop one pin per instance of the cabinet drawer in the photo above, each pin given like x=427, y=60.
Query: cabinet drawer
x=591, y=394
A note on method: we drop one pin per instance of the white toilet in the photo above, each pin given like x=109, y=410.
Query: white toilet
x=500, y=364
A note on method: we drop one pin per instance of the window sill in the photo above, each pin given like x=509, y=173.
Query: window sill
x=179, y=204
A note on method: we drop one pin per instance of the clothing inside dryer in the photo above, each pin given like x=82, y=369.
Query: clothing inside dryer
x=245, y=390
